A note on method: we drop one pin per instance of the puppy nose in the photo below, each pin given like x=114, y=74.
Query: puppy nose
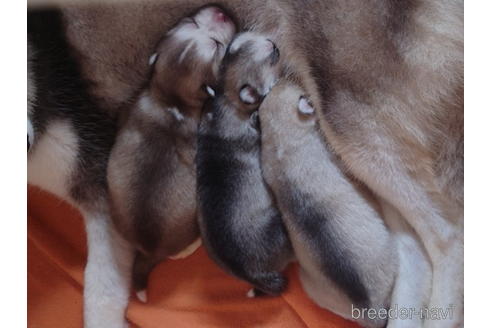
x=220, y=16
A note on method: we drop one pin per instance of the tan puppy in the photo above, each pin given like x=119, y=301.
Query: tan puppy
x=346, y=254
x=151, y=171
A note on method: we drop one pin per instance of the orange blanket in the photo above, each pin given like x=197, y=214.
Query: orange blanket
x=192, y=292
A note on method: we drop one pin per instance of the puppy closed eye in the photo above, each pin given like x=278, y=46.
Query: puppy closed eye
x=218, y=44
x=191, y=20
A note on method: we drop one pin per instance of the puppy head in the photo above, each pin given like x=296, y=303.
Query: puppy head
x=288, y=109
x=189, y=56
x=249, y=70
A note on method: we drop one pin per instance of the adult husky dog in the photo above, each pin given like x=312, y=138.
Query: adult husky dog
x=387, y=76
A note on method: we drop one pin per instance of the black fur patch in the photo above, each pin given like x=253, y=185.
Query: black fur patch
x=335, y=261
x=219, y=175
x=399, y=14
x=255, y=251
x=63, y=95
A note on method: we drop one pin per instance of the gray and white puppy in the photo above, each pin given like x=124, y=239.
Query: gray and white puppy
x=240, y=225
x=345, y=251
x=151, y=171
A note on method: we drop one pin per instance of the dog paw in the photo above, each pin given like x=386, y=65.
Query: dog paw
x=142, y=295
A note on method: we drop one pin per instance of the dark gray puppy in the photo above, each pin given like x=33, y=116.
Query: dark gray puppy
x=241, y=228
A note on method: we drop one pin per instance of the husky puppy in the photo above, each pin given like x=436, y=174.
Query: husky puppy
x=240, y=225
x=151, y=170
x=346, y=253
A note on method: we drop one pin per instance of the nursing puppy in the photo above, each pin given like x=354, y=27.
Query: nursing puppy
x=346, y=254
x=151, y=170
x=241, y=228
x=70, y=138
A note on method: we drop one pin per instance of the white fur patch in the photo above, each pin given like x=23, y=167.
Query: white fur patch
x=152, y=59
x=187, y=49
x=210, y=91
x=52, y=160
x=30, y=131
x=251, y=293
x=176, y=113
x=107, y=274
x=248, y=95
x=204, y=45
x=305, y=107
x=262, y=46
x=154, y=111
x=413, y=280
x=149, y=107
x=142, y=295
x=240, y=40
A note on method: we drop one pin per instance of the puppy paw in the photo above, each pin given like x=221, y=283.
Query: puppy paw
x=255, y=292
x=142, y=295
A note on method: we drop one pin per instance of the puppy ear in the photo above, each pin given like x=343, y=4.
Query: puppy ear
x=249, y=95
x=305, y=106
x=209, y=91
x=152, y=59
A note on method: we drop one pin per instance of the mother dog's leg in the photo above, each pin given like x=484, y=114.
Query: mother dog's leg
x=107, y=274
x=392, y=130
x=386, y=173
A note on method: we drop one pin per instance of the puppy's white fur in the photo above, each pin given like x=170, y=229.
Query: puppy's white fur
x=262, y=47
